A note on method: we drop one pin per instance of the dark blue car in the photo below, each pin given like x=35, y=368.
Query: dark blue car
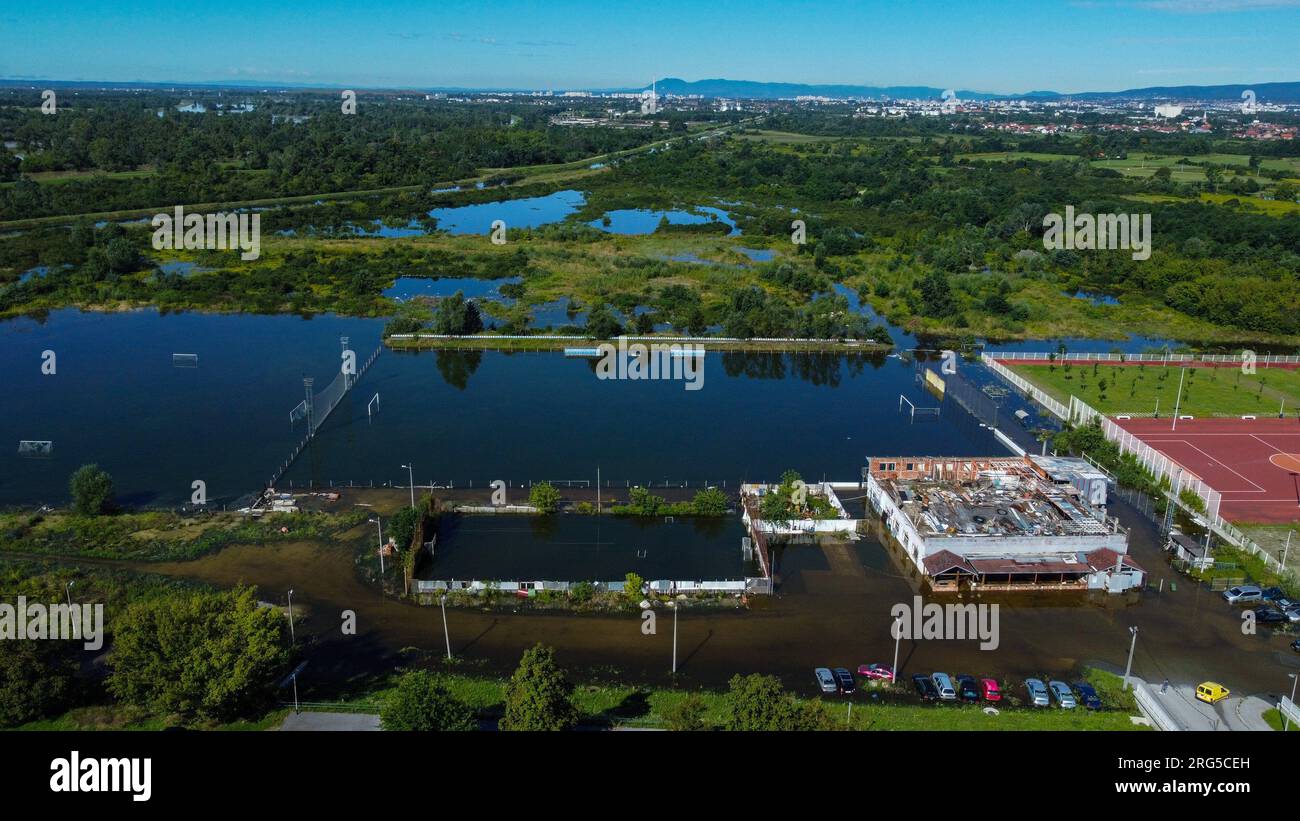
x=1087, y=695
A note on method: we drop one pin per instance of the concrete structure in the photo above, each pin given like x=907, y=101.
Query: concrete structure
x=1007, y=523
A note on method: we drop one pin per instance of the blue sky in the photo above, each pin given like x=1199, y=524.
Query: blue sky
x=1007, y=46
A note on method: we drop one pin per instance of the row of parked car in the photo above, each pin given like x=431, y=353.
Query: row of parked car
x=943, y=687
x=1277, y=610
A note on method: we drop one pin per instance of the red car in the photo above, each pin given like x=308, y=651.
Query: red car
x=880, y=672
x=989, y=689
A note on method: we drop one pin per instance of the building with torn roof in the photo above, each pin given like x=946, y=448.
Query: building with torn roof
x=1003, y=523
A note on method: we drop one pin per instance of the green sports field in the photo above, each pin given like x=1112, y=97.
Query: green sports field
x=1121, y=389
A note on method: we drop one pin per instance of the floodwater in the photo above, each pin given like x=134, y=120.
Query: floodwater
x=645, y=221
x=832, y=609
x=587, y=548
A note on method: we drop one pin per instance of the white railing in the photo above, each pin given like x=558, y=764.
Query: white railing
x=1046, y=356
x=1158, y=464
x=1032, y=391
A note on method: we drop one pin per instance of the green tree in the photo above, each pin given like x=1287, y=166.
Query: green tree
x=36, y=679
x=685, y=714
x=539, y=695
x=457, y=316
x=422, y=703
x=602, y=324
x=92, y=490
x=632, y=586
x=710, y=502
x=212, y=656
x=544, y=497
x=758, y=702
x=402, y=527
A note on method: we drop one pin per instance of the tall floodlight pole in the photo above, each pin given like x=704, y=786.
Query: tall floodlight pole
x=410, y=472
x=1128, y=667
x=292, y=639
x=1286, y=721
x=675, y=606
x=381, y=543
x=1178, y=399
x=442, y=600
x=311, y=421
x=898, y=637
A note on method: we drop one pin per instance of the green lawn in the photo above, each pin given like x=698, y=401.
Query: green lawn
x=1136, y=388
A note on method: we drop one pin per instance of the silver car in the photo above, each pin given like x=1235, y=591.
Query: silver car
x=826, y=681
x=1243, y=594
x=1293, y=614
x=943, y=683
x=1063, y=695
x=1037, y=692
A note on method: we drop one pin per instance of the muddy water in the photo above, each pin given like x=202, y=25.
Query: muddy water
x=833, y=609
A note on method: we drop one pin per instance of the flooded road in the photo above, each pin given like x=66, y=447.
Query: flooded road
x=833, y=610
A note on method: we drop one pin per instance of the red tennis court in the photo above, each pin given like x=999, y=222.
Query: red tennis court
x=1253, y=463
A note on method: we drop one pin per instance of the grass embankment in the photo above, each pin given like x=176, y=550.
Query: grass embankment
x=156, y=535
x=630, y=706
x=1135, y=388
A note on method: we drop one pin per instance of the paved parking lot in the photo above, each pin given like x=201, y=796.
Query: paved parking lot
x=332, y=722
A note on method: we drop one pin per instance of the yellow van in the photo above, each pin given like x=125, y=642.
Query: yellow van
x=1210, y=692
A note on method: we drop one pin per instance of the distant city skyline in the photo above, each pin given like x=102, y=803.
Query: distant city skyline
x=1003, y=48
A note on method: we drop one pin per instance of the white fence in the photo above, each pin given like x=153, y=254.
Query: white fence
x=1079, y=412
x=1029, y=389
x=659, y=586
x=1269, y=359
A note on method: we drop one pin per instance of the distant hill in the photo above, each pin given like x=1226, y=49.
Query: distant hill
x=748, y=89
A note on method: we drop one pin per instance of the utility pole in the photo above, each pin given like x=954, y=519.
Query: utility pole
x=292, y=639
x=1286, y=549
x=442, y=600
x=410, y=473
x=1129, y=666
x=1179, y=398
x=898, y=636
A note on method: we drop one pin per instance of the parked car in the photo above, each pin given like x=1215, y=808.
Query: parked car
x=844, y=679
x=1278, y=597
x=943, y=684
x=924, y=687
x=878, y=672
x=1267, y=615
x=1062, y=694
x=1243, y=594
x=1087, y=695
x=968, y=688
x=1295, y=645
x=1293, y=614
x=1211, y=691
x=825, y=680
x=989, y=688
x=1037, y=692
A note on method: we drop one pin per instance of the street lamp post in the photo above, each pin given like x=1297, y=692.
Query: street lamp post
x=68, y=589
x=898, y=636
x=1286, y=549
x=675, y=609
x=442, y=600
x=1129, y=666
x=410, y=472
x=1286, y=722
x=292, y=639
x=380, y=524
